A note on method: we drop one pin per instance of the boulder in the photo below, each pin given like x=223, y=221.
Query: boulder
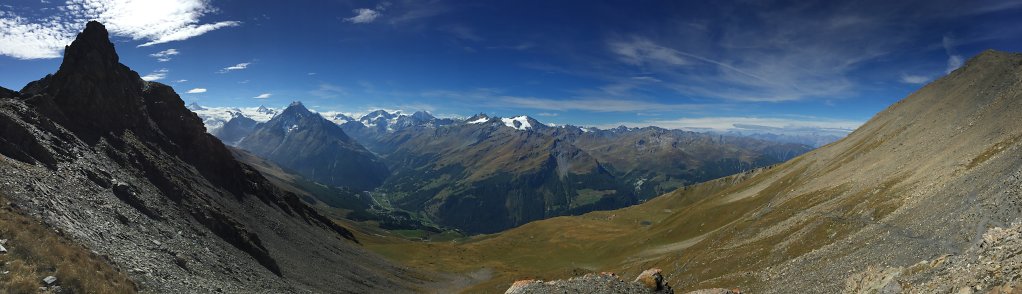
x=651, y=279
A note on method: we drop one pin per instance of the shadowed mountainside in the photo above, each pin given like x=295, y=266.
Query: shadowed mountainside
x=316, y=148
x=123, y=168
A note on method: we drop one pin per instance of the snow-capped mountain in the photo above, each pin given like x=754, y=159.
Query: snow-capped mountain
x=522, y=123
x=478, y=119
x=215, y=117
x=337, y=117
x=311, y=145
x=388, y=122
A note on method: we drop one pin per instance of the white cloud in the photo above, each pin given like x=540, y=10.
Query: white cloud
x=914, y=79
x=640, y=51
x=595, y=104
x=328, y=91
x=363, y=15
x=190, y=31
x=180, y=81
x=196, y=91
x=239, y=66
x=751, y=125
x=150, y=21
x=263, y=96
x=156, y=75
x=24, y=40
x=954, y=61
x=548, y=114
x=493, y=98
x=165, y=55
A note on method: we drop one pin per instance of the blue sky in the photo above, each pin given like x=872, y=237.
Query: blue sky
x=714, y=64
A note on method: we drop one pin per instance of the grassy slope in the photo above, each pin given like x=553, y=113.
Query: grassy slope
x=886, y=193
x=36, y=252
x=558, y=247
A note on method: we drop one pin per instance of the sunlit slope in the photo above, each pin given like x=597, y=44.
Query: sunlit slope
x=921, y=179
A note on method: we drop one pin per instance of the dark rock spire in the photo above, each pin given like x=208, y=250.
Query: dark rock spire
x=91, y=50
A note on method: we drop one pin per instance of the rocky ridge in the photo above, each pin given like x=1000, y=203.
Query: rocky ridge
x=121, y=166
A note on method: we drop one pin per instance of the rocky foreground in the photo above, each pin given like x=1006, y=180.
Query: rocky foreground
x=649, y=281
x=992, y=266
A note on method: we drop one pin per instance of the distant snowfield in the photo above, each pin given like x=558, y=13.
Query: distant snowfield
x=215, y=117
x=519, y=122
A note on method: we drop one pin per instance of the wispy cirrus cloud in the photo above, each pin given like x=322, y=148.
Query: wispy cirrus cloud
x=363, y=15
x=641, y=51
x=778, y=125
x=494, y=98
x=165, y=55
x=589, y=104
x=196, y=91
x=152, y=22
x=777, y=53
x=263, y=96
x=156, y=75
x=240, y=66
x=954, y=60
x=914, y=79
x=328, y=91
x=368, y=15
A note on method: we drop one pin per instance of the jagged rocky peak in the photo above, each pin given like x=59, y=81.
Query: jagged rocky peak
x=342, y=117
x=195, y=106
x=264, y=109
x=92, y=50
x=91, y=93
x=422, y=115
x=478, y=118
x=7, y=93
x=296, y=109
x=379, y=115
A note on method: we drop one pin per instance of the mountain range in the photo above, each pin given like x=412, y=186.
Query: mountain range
x=920, y=199
x=485, y=174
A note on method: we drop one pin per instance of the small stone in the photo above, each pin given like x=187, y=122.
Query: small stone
x=181, y=260
x=2, y=249
x=50, y=280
